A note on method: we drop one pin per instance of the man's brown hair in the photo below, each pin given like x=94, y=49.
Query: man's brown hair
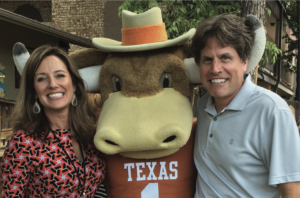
x=228, y=29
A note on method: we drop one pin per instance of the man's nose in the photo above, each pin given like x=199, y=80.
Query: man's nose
x=216, y=66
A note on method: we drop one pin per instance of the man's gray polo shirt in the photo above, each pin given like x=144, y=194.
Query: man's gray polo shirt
x=247, y=148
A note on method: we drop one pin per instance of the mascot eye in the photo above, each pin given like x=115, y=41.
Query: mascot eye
x=165, y=80
x=117, y=83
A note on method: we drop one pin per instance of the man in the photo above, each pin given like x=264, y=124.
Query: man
x=247, y=142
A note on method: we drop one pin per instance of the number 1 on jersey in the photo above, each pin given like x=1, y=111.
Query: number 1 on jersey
x=150, y=191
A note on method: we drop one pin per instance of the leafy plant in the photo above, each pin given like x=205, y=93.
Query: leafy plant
x=270, y=55
x=289, y=54
x=268, y=11
x=180, y=16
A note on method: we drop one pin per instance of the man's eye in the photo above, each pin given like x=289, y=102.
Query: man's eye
x=225, y=57
x=207, y=60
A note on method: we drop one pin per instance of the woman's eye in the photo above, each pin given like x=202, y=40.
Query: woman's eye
x=117, y=84
x=40, y=79
x=60, y=75
x=165, y=80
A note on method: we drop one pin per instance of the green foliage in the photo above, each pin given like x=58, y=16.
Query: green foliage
x=180, y=16
x=287, y=57
x=270, y=55
x=268, y=12
x=289, y=54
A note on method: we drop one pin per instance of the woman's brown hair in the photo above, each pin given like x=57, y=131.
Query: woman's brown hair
x=82, y=120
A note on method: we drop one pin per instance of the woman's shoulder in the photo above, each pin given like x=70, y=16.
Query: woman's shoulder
x=92, y=148
x=22, y=133
x=24, y=137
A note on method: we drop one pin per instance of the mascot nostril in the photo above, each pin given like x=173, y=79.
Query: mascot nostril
x=110, y=142
x=165, y=80
x=170, y=139
x=117, y=84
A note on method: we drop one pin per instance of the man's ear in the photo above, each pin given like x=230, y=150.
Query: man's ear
x=245, y=65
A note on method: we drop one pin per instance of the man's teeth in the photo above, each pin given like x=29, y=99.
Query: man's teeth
x=56, y=95
x=218, y=80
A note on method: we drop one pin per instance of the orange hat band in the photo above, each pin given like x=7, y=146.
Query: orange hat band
x=144, y=34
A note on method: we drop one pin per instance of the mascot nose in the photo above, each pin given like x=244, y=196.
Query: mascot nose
x=112, y=141
x=170, y=138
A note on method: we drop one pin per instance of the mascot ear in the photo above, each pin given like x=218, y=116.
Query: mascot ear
x=193, y=70
x=259, y=42
x=20, y=56
x=90, y=75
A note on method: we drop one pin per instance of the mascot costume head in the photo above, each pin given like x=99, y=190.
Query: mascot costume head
x=145, y=128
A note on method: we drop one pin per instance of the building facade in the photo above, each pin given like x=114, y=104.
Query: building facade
x=276, y=26
x=88, y=19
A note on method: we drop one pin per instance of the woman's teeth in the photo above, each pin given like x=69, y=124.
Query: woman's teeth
x=55, y=95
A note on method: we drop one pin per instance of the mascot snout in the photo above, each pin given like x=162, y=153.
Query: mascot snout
x=167, y=133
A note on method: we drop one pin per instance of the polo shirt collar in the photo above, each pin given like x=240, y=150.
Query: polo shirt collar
x=238, y=102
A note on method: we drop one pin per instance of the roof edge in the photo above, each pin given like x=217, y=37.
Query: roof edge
x=40, y=27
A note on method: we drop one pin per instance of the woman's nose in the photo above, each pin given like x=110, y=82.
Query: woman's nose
x=52, y=82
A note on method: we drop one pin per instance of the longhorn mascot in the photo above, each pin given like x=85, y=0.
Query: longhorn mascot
x=146, y=128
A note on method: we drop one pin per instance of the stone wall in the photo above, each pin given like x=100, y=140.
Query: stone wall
x=83, y=18
x=112, y=23
x=44, y=7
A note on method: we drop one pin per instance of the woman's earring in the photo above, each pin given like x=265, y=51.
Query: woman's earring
x=36, y=108
x=74, y=100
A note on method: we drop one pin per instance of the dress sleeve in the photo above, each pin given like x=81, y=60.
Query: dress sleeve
x=281, y=149
x=17, y=165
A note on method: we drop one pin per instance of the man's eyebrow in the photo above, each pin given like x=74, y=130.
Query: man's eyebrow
x=227, y=54
x=205, y=56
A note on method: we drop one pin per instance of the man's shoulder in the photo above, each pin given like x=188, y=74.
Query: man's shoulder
x=203, y=100
x=266, y=98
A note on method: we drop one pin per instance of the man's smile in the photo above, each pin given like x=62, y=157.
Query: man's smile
x=220, y=80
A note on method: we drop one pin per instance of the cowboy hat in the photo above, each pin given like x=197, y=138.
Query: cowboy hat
x=140, y=32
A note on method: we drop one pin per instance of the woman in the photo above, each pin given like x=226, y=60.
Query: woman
x=50, y=154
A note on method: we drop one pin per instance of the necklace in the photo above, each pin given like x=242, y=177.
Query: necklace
x=69, y=158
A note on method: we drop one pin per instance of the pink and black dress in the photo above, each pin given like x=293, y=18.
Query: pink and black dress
x=32, y=168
